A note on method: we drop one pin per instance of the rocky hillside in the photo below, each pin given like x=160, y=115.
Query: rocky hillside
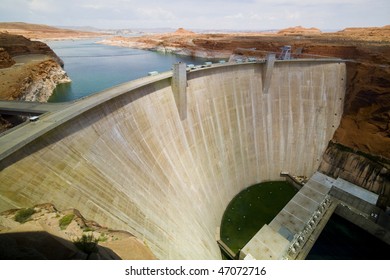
x=16, y=45
x=43, y=232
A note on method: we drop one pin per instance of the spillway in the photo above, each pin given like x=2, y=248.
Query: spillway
x=130, y=161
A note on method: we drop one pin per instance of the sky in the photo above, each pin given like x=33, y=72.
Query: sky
x=199, y=14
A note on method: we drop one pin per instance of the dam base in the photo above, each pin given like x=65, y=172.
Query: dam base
x=293, y=232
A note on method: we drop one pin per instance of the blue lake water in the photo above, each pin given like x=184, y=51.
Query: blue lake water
x=94, y=67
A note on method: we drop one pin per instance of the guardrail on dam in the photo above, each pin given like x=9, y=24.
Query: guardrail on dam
x=127, y=159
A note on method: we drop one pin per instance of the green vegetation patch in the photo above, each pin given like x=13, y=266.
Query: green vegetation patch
x=23, y=215
x=65, y=221
x=251, y=209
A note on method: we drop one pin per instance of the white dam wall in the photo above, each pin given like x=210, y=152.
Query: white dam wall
x=131, y=163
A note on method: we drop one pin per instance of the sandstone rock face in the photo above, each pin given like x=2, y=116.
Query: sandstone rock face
x=39, y=85
x=366, y=122
x=361, y=169
x=32, y=79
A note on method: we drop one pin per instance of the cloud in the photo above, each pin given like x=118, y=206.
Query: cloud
x=155, y=13
x=236, y=16
x=43, y=6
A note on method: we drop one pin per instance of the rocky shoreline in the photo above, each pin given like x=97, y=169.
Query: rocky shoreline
x=42, y=81
x=223, y=45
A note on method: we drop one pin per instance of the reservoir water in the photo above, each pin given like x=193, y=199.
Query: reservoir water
x=94, y=67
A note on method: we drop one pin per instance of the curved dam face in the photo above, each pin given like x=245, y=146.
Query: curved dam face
x=132, y=163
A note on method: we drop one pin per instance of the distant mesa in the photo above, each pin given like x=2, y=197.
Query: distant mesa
x=367, y=31
x=41, y=31
x=182, y=31
x=299, y=30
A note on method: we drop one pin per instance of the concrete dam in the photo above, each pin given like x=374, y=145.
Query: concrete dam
x=162, y=157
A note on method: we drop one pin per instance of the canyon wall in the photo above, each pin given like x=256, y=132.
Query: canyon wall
x=368, y=171
x=131, y=163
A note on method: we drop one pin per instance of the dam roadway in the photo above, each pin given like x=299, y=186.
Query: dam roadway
x=129, y=158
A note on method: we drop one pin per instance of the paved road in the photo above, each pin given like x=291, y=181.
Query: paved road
x=27, y=108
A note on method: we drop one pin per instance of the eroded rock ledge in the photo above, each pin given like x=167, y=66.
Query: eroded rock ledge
x=42, y=80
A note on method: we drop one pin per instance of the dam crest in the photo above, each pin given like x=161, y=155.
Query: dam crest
x=162, y=159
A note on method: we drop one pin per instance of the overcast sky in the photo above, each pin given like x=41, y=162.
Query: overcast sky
x=200, y=14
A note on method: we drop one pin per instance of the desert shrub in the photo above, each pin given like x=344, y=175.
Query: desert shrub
x=87, y=244
x=103, y=237
x=24, y=214
x=65, y=221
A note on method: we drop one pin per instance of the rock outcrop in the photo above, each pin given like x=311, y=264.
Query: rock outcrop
x=5, y=59
x=44, y=77
x=43, y=232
